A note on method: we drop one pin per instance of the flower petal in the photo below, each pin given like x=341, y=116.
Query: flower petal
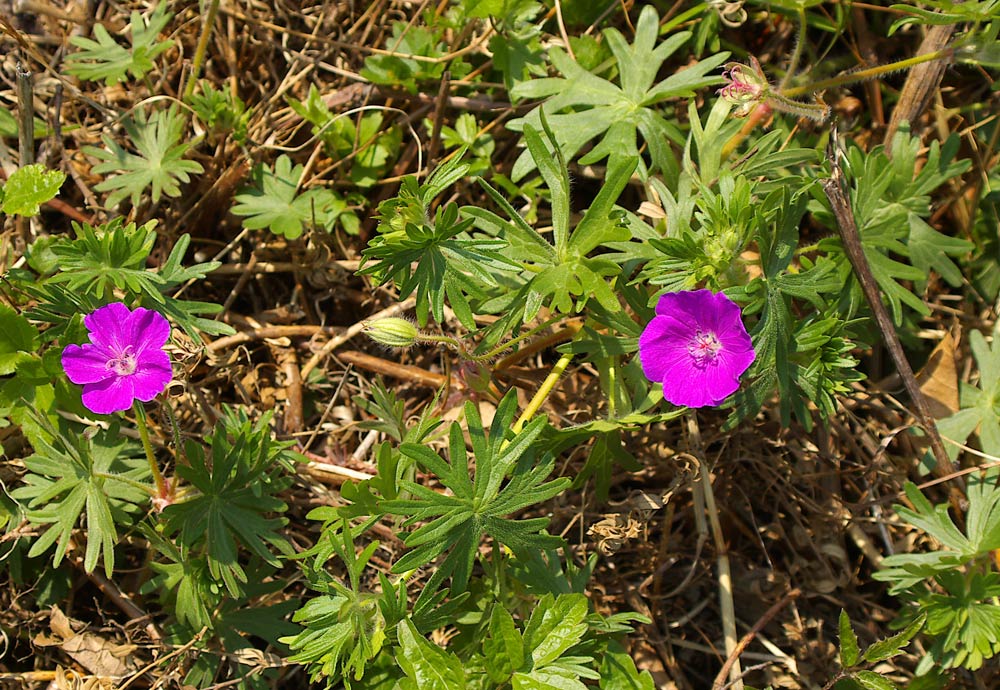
x=107, y=326
x=152, y=374
x=111, y=395
x=147, y=329
x=85, y=363
x=662, y=342
x=683, y=385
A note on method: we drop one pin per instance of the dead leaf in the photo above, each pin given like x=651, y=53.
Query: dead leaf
x=100, y=656
x=938, y=379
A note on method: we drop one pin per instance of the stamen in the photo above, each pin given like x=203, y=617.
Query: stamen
x=704, y=347
x=123, y=363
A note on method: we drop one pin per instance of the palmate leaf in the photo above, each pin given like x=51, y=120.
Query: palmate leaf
x=272, y=201
x=106, y=59
x=582, y=106
x=434, y=256
x=158, y=164
x=234, y=491
x=75, y=476
x=113, y=257
x=479, y=502
x=562, y=275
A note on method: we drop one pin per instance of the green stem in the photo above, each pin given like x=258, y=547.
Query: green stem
x=175, y=429
x=869, y=73
x=513, y=341
x=131, y=482
x=140, y=419
x=543, y=392
x=793, y=64
x=199, y=51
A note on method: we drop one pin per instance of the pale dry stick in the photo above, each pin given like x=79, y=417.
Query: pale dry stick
x=921, y=83
x=354, y=330
x=361, y=452
x=726, y=607
x=222, y=252
x=416, y=375
x=562, y=30
x=851, y=241
x=262, y=267
x=353, y=46
x=265, y=332
x=329, y=406
x=720, y=679
x=157, y=662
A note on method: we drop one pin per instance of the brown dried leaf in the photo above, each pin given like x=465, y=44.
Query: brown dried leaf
x=938, y=379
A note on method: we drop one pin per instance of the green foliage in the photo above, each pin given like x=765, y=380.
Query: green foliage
x=400, y=70
x=232, y=491
x=980, y=412
x=367, y=148
x=223, y=112
x=106, y=59
x=948, y=585
x=890, y=198
x=851, y=657
x=449, y=262
x=158, y=162
x=344, y=629
x=28, y=188
x=582, y=106
x=100, y=477
x=113, y=257
x=563, y=275
x=479, y=502
x=272, y=201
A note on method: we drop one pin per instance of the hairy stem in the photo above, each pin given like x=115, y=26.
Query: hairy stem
x=870, y=73
x=199, y=51
x=140, y=420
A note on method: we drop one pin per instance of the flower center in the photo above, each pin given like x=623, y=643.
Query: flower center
x=704, y=347
x=123, y=363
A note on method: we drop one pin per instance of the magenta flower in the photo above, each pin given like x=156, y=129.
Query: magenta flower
x=124, y=359
x=697, y=347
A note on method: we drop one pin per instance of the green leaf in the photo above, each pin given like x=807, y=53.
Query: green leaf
x=272, y=201
x=231, y=494
x=891, y=646
x=848, y=642
x=930, y=249
x=873, y=681
x=106, y=59
x=618, y=671
x=582, y=106
x=18, y=340
x=158, y=164
x=478, y=503
x=29, y=187
x=503, y=648
x=426, y=664
x=76, y=476
x=556, y=624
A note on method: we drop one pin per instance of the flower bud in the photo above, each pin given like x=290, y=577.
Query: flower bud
x=392, y=331
x=746, y=86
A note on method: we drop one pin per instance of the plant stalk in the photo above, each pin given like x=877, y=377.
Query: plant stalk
x=201, y=48
x=864, y=74
x=543, y=392
x=140, y=419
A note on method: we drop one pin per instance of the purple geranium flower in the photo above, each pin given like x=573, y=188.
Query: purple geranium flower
x=697, y=347
x=124, y=359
